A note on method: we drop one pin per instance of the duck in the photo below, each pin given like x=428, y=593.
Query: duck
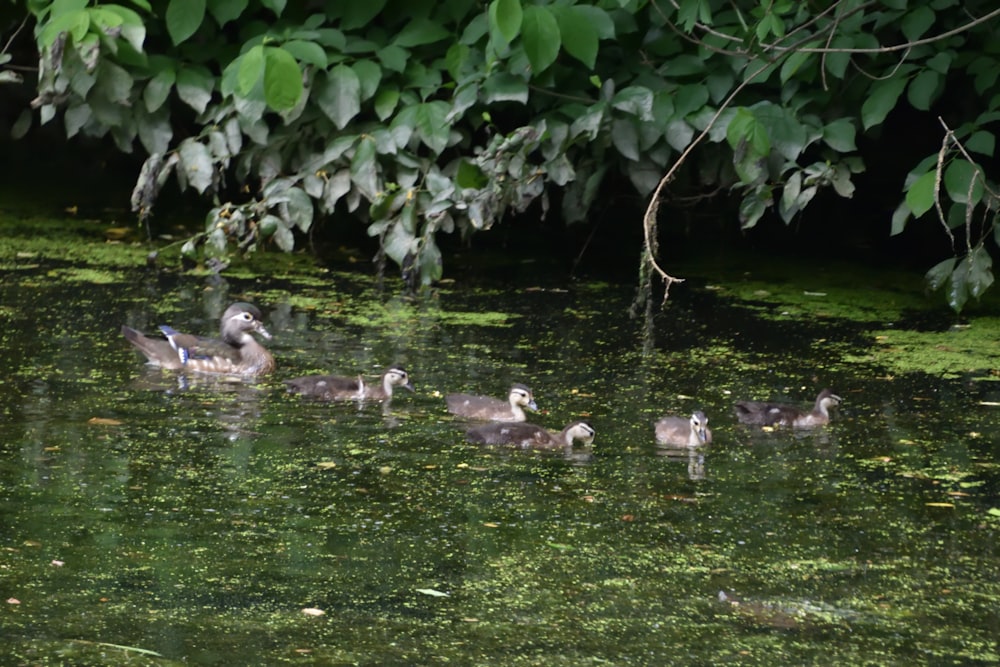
x=780, y=414
x=236, y=352
x=337, y=388
x=493, y=409
x=681, y=432
x=531, y=436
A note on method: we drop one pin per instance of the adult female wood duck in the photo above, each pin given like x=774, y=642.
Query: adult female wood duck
x=493, y=409
x=681, y=432
x=781, y=414
x=530, y=436
x=336, y=388
x=237, y=353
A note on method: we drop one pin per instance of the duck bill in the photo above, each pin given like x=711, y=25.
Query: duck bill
x=259, y=328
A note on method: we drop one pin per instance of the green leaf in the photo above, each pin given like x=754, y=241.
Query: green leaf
x=399, y=242
x=746, y=130
x=225, y=11
x=881, y=100
x=364, y=169
x=690, y=98
x=307, y=52
x=195, y=86
x=923, y=89
x=839, y=135
x=339, y=95
x=184, y=17
x=360, y=14
x=196, y=164
x=369, y=77
x=917, y=22
x=625, y=138
x=795, y=60
x=634, y=100
x=899, y=219
x=393, y=57
x=250, y=71
x=276, y=6
x=298, y=210
x=959, y=177
x=507, y=15
x=282, y=79
x=982, y=142
x=421, y=31
x=470, y=176
x=74, y=22
x=980, y=275
x=432, y=126
x=578, y=33
x=940, y=273
x=920, y=195
x=385, y=102
x=958, y=286
x=541, y=38
x=158, y=89
x=505, y=87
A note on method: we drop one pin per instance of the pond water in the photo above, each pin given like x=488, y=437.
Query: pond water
x=151, y=518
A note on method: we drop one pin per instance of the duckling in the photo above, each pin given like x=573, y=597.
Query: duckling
x=493, y=409
x=681, y=432
x=780, y=414
x=530, y=436
x=336, y=388
x=237, y=353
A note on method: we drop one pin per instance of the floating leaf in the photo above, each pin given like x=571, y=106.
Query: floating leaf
x=433, y=592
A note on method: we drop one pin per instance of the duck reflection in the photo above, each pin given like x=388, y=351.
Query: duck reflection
x=694, y=457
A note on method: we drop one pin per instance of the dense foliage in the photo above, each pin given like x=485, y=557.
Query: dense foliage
x=427, y=116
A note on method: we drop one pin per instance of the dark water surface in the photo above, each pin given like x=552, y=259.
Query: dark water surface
x=145, y=512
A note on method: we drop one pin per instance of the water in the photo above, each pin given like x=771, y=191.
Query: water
x=141, y=512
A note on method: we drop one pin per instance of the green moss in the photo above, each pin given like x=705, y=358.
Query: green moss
x=973, y=348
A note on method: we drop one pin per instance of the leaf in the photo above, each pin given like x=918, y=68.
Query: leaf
x=980, y=271
x=385, y=102
x=432, y=592
x=982, y=142
x=958, y=177
x=839, y=135
x=795, y=60
x=881, y=100
x=432, y=126
x=393, y=57
x=578, y=32
x=399, y=242
x=507, y=15
x=364, y=173
x=196, y=163
x=184, y=17
x=298, y=209
x=225, y=11
x=369, y=77
x=307, y=52
x=104, y=421
x=276, y=6
x=540, y=36
x=282, y=79
x=250, y=70
x=339, y=95
x=745, y=129
x=504, y=87
x=421, y=31
x=635, y=100
x=958, y=286
x=158, y=89
x=923, y=89
x=625, y=138
x=195, y=86
x=920, y=195
x=284, y=238
x=917, y=22
x=899, y=219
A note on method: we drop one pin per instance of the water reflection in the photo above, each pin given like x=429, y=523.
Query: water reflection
x=694, y=457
